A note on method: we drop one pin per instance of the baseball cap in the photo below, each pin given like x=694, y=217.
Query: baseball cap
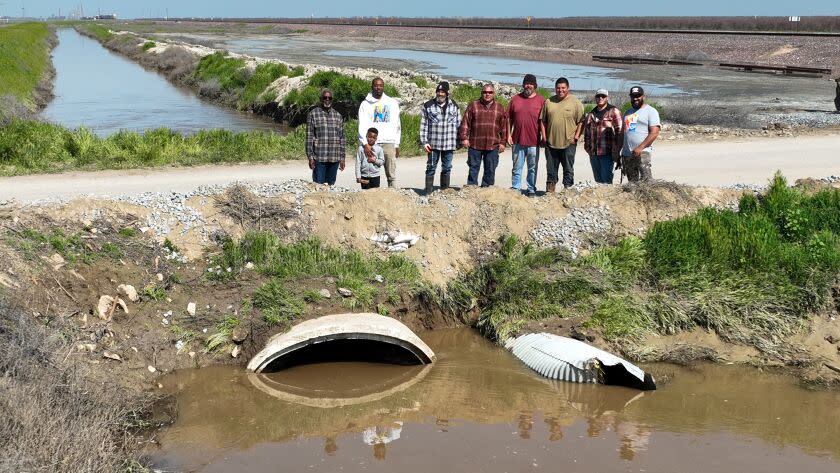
x=636, y=90
x=443, y=85
x=529, y=79
x=602, y=92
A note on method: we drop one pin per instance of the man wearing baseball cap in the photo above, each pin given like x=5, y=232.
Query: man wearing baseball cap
x=641, y=128
x=439, y=122
x=602, y=130
x=524, y=117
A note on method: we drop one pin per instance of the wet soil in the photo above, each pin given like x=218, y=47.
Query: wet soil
x=479, y=409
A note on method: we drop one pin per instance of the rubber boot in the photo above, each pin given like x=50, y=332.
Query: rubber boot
x=430, y=184
x=550, y=187
x=444, y=181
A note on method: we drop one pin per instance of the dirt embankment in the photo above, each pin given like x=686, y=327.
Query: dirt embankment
x=67, y=267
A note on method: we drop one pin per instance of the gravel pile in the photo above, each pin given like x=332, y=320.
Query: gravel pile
x=569, y=232
x=818, y=119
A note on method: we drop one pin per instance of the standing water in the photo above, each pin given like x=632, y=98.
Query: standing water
x=97, y=89
x=479, y=409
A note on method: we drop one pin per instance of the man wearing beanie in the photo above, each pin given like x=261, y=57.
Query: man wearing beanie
x=439, y=122
x=524, y=116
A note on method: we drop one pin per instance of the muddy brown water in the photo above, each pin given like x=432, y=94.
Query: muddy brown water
x=479, y=409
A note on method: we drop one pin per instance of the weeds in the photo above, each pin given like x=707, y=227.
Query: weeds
x=421, y=82
x=153, y=292
x=127, y=232
x=33, y=147
x=149, y=45
x=751, y=276
x=222, y=337
x=57, y=414
x=279, y=306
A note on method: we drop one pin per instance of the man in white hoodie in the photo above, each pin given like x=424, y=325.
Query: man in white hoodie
x=383, y=113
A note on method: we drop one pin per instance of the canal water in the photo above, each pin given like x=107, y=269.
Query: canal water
x=466, y=66
x=479, y=409
x=102, y=91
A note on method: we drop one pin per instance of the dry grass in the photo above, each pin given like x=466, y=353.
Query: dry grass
x=53, y=415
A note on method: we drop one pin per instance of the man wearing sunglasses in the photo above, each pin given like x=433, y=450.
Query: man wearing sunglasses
x=484, y=132
x=603, y=137
x=325, y=141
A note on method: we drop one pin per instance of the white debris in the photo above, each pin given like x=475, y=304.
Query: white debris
x=191, y=308
x=394, y=240
x=128, y=291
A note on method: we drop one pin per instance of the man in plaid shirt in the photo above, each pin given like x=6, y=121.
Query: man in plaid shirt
x=439, y=122
x=325, y=142
x=484, y=131
x=602, y=132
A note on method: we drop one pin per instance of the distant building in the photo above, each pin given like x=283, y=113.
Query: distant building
x=105, y=17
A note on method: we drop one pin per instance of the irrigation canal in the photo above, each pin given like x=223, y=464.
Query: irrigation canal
x=102, y=91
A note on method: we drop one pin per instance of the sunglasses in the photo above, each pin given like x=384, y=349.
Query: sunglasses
x=600, y=96
x=487, y=92
x=326, y=98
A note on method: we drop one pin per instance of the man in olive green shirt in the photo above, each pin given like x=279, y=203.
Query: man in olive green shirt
x=561, y=123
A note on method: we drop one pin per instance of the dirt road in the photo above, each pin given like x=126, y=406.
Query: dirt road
x=711, y=163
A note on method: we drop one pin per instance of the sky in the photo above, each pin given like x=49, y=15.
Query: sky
x=426, y=8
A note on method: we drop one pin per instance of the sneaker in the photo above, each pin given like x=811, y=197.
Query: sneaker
x=531, y=194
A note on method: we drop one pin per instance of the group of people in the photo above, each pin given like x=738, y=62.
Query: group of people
x=485, y=128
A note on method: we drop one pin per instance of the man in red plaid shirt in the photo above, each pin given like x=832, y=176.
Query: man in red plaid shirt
x=484, y=132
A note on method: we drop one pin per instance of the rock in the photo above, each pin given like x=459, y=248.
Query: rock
x=191, y=308
x=57, y=261
x=180, y=344
x=378, y=278
x=249, y=265
x=91, y=347
x=151, y=369
x=239, y=334
x=345, y=292
x=348, y=216
x=830, y=339
x=111, y=356
x=236, y=351
x=159, y=277
x=106, y=307
x=128, y=291
x=191, y=354
x=325, y=293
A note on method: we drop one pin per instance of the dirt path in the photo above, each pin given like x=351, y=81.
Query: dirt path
x=716, y=163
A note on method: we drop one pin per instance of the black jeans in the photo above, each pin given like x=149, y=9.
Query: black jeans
x=556, y=157
x=373, y=182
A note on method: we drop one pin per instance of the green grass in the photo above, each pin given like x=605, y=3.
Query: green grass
x=753, y=276
x=228, y=71
x=279, y=306
x=312, y=259
x=24, y=56
x=28, y=147
x=421, y=82
x=154, y=292
x=101, y=33
x=346, y=89
x=69, y=246
x=149, y=45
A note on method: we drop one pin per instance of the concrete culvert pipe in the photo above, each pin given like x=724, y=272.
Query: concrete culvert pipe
x=343, y=337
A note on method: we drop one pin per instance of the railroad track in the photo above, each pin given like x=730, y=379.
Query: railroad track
x=297, y=21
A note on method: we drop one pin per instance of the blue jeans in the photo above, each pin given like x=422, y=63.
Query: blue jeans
x=602, y=168
x=325, y=173
x=520, y=154
x=490, y=158
x=445, y=158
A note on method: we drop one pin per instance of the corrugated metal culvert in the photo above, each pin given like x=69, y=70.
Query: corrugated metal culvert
x=567, y=359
